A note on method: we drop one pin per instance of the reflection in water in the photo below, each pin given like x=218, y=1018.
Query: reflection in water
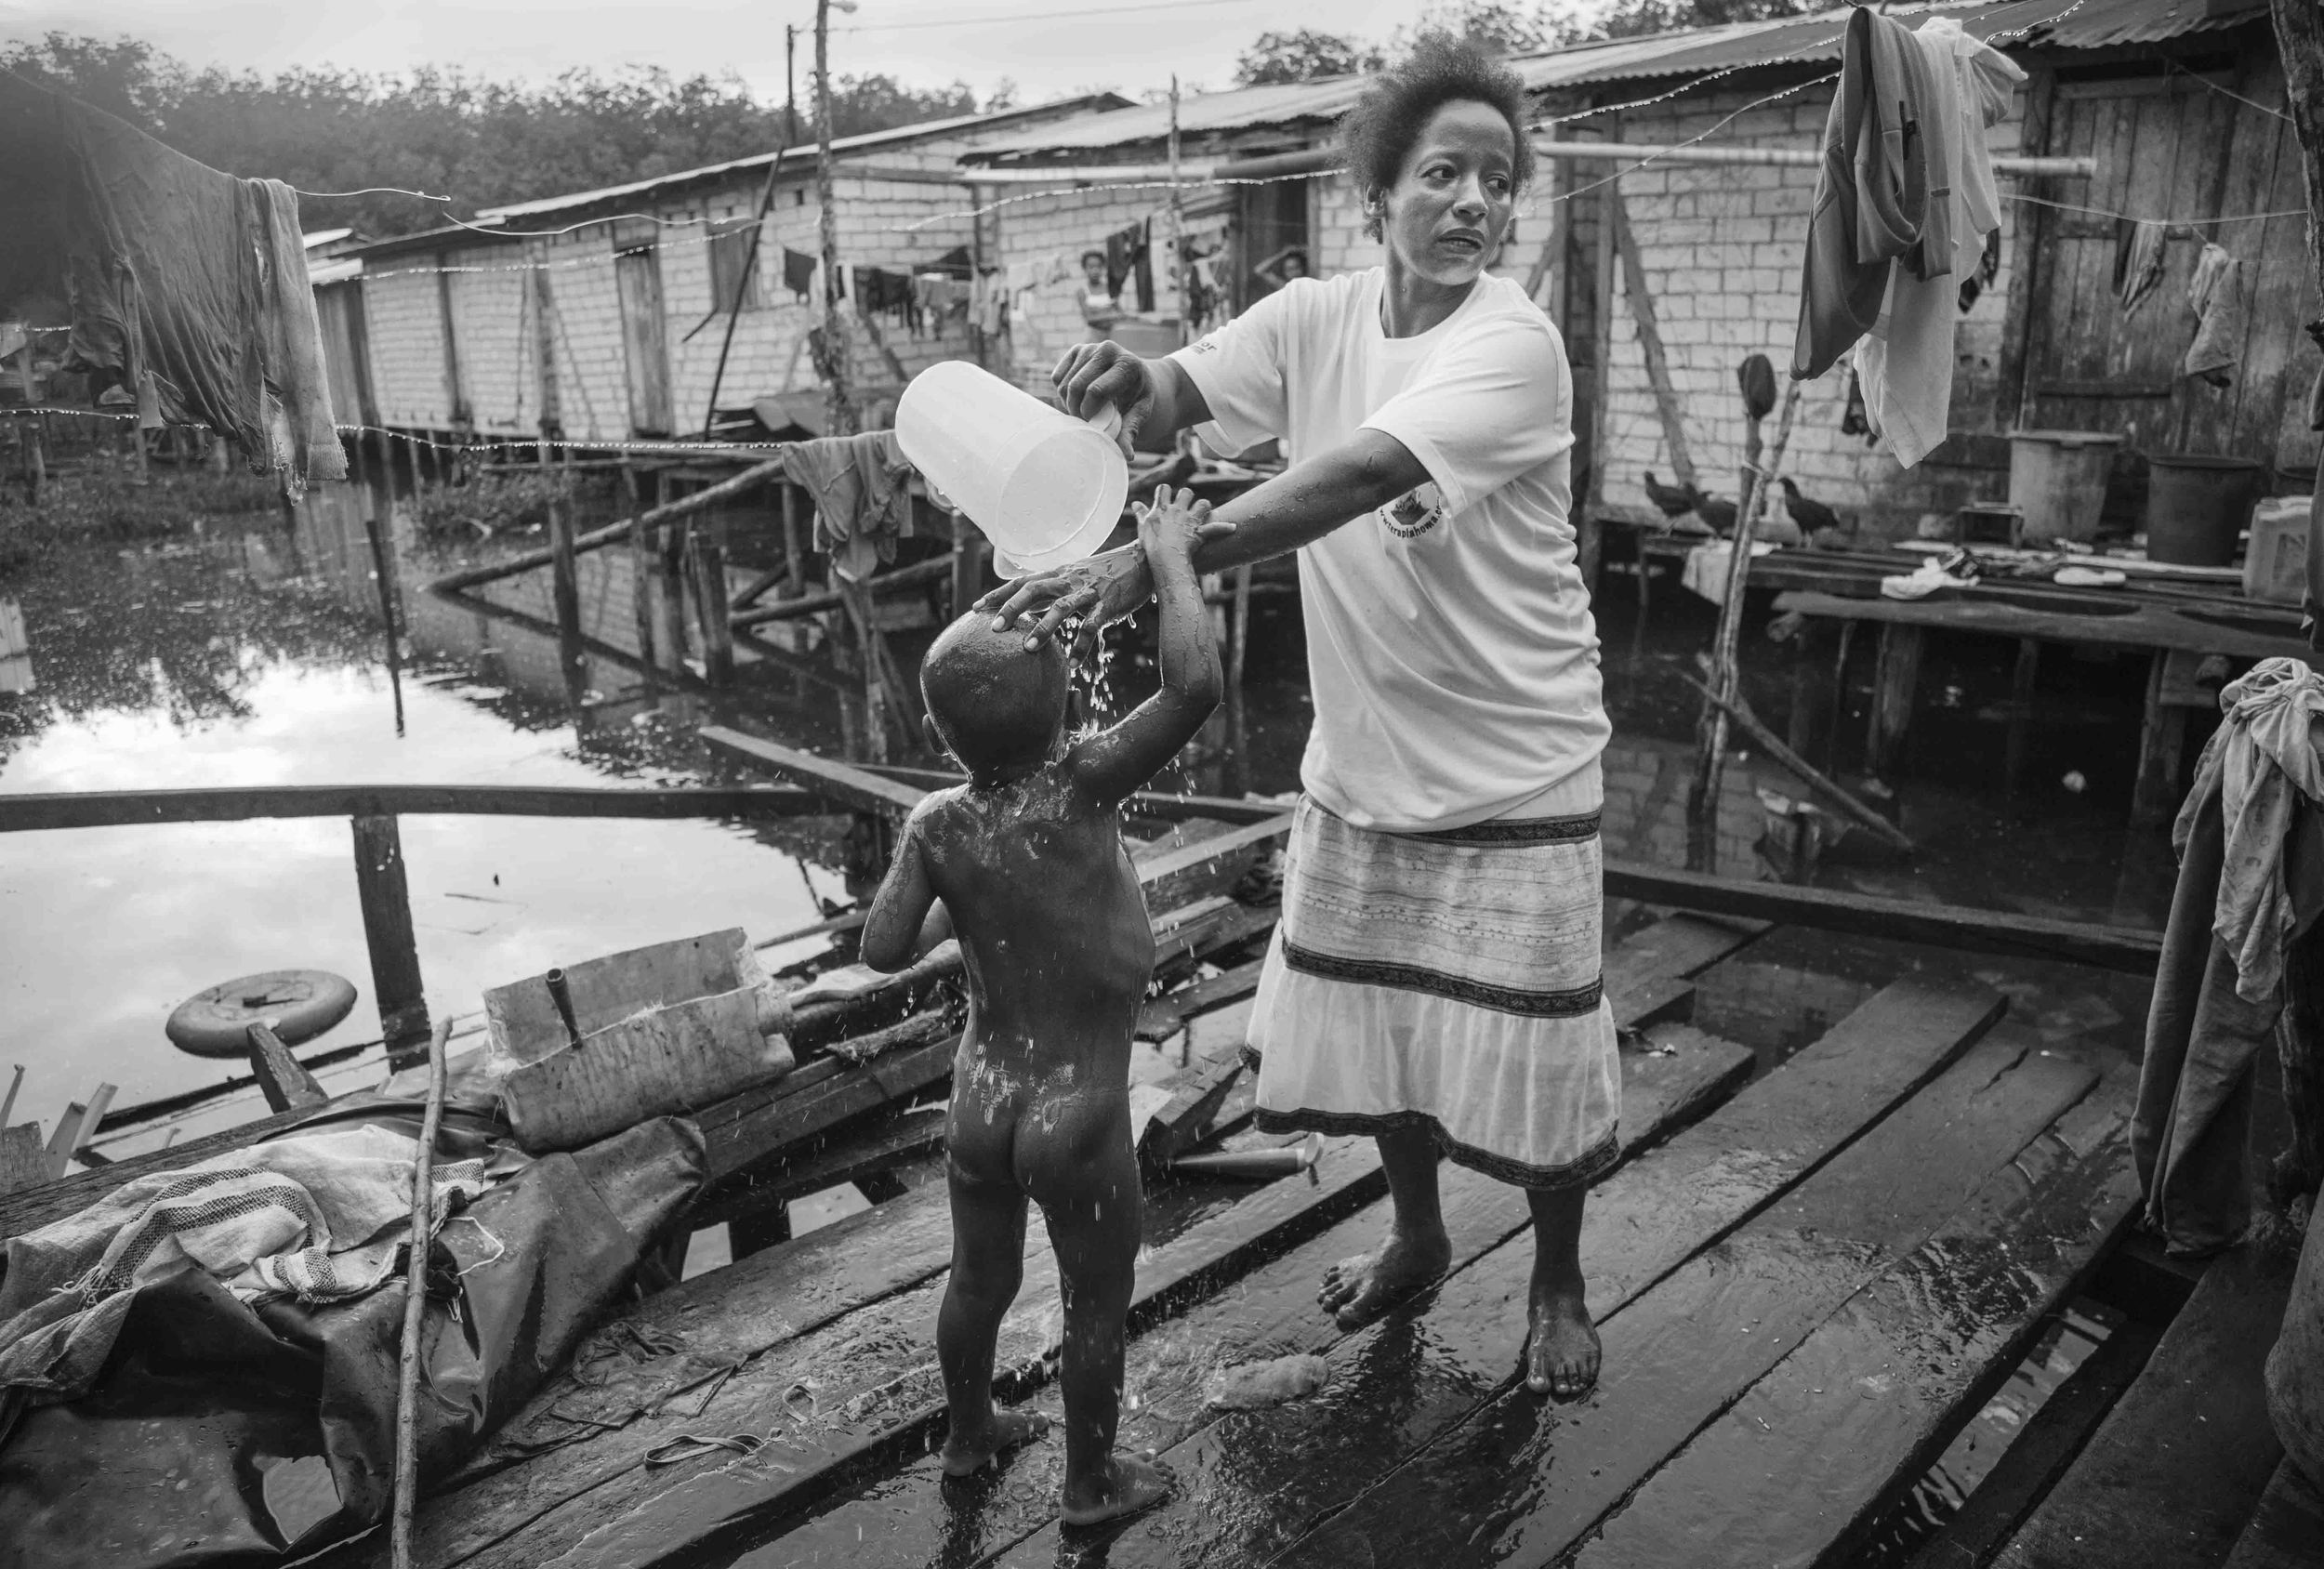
x=265, y=655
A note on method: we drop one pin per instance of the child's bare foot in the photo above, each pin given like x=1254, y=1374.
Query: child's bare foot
x=1561, y=1344
x=1126, y=1485
x=966, y=1451
x=1358, y=1290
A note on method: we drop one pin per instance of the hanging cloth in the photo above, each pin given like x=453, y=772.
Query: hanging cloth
x=2216, y=293
x=187, y=287
x=799, y=272
x=861, y=508
x=2138, y=257
x=1905, y=363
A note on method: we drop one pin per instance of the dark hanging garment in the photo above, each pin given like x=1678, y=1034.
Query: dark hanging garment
x=1144, y=265
x=799, y=272
x=184, y=287
x=1871, y=194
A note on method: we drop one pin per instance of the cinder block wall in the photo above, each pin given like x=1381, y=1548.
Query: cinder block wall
x=1723, y=249
x=404, y=322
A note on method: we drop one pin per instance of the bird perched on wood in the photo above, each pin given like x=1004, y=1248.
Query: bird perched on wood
x=1674, y=500
x=1820, y=523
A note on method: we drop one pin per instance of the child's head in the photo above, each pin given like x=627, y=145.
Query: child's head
x=994, y=702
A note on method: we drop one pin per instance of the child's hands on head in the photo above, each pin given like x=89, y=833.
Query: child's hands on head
x=1171, y=527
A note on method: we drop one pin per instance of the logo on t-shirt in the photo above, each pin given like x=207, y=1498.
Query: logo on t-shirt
x=1413, y=513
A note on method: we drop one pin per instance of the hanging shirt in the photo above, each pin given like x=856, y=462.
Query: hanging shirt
x=1450, y=648
x=1905, y=363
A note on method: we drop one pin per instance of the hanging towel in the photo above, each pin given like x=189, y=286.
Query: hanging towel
x=1870, y=192
x=1906, y=365
x=2216, y=293
x=2138, y=257
x=188, y=287
x=799, y=272
x=858, y=483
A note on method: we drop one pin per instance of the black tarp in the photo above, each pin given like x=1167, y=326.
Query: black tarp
x=224, y=1433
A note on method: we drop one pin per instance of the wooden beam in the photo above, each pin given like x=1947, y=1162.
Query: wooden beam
x=612, y=534
x=285, y=1084
x=105, y=809
x=1642, y=310
x=1944, y=926
x=838, y=782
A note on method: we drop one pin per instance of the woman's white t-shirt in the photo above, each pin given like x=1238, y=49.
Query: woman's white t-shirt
x=1450, y=648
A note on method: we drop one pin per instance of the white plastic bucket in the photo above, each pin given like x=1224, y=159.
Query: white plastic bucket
x=1045, y=488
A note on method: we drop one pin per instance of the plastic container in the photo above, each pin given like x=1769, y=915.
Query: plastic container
x=2196, y=507
x=2276, y=563
x=1045, y=488
x=2058, y=480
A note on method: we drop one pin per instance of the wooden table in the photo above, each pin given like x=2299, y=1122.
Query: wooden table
x=2180, y=631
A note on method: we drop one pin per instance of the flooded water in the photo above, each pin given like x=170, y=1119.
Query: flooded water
x=247, y=654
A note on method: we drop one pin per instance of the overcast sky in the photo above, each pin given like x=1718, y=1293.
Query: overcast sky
x=1057, y=46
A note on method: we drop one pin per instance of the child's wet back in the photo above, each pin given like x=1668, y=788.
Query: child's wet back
x=1051, y=921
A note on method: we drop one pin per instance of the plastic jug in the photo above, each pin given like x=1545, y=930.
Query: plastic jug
x=1045, y=488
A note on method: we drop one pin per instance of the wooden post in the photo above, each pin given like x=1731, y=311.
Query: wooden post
x=1593, y=537
x=281, y=1078
x=674, y=592
x=34, y=428
x=2021, y=697
x=793, y=541
x=563, y=566
x=838, y=403
x=640, y=565
x=1642, y=310
x=2161, y=749
x=710, y=600
x=387, y=906
x=968, y=566
x=1895, y=676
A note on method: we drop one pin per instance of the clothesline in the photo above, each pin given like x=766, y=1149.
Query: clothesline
x=1704, y=136
x=2174, y=222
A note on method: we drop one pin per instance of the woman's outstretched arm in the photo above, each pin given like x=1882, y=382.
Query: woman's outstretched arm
x=1303, y=503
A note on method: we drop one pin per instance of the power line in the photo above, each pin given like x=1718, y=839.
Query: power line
x=1087, y=13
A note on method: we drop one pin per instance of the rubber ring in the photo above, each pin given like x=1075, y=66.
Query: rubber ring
x=296, y=1004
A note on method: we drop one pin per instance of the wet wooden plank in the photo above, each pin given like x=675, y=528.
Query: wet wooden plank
x=1254, y=1480
x=834, y=781
x=913, y=1518
x=2175, y=1470
x=875, y=1361
x=1943, y=925
x=2038, y=1455
x=1797, y=1470
x=1520, y=1481
x=2286, y=1530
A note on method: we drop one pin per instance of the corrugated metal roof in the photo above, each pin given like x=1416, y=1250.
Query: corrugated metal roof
x=2069, y=24
x=803, y=155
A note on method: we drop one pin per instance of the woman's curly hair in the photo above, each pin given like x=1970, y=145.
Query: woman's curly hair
x=1377, y=134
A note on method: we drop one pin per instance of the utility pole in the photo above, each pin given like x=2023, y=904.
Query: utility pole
x=791, y=83
x=839, y=407
x=1178, y=225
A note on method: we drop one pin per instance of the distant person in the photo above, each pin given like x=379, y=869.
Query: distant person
x=1286, y=266
x=1436, y=980
x=1101, y=306
x=1027, y=858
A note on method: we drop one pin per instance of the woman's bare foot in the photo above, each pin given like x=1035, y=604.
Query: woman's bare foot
x=966, y=1452
x=1126, y=1485
x=1358, y=1290
x=1561, y=1344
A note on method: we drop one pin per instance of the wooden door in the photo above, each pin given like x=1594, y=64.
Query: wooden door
x=638, y=274
x=2170, y=147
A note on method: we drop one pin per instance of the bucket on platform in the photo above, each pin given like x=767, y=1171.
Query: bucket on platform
x=2276, y=562
x=2196, y=507
x=2058, y=480
x=1045, y=488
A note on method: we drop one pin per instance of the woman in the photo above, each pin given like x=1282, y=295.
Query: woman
x=1100, y=308
x=1435, y=980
